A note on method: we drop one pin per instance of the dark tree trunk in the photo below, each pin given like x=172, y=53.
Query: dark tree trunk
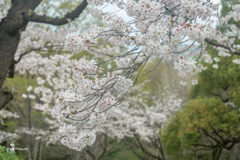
x=10, y=32
x=22, y=12
x=8, y=46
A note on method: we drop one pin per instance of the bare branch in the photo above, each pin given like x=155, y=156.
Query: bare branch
x=105, y=146
x=18, y=119
x=33, y=17
x=30, y=50
x=142, y=148
x=5, y=97
x=90, y=153
x=220, y=45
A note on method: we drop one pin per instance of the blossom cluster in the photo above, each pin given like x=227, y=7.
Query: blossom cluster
x=237, y=61
x=195, y=32
x=123, y=62
x=31, y=131
x=7, y=136
x=195, y=8
x=85, y=139
x=115, y=23
x=87, y=102
x=8, y=114
x=185, y=65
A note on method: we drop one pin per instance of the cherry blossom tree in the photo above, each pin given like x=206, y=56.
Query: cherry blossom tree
x=136, y=124
x=156, y=29
x=16, y=16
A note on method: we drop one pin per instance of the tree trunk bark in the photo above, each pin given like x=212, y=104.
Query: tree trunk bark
x=10, y=33
x=8, y=47
x=35, y=149
x=40, y=152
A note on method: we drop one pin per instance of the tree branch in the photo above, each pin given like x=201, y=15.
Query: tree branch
x=5, y=97
x=238, y=25
x=33, y=17
x=21, y=111
x=206, y=146
x=90, y=153
x=138, y=155
x=207, y=134
x=33, y=49
x=220, y=45
x=160, y=148
x=131, y=147
x=218, y=135
x=142, y=148
x=18, y=119
x=105, y=146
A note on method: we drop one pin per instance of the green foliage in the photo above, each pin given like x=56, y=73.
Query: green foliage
x=227, y=6
x=6, y=154
x=224, y=78
x=186, y=128
x=20, y=83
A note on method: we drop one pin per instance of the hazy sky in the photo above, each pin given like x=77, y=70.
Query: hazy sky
x=122, y=13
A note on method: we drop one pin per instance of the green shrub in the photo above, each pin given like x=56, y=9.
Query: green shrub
x=5, y=154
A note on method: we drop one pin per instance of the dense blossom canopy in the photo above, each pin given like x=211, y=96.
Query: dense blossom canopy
x=156, y=29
